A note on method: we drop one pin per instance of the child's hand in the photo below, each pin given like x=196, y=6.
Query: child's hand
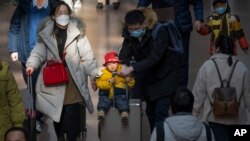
x=127, y=78
x=112, y=80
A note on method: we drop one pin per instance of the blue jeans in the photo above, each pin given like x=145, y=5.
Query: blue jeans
x=121, y=101
x=157, y=110
x=184, y=60
x=220, y=131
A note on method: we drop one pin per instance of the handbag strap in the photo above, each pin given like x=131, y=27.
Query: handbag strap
x=231, y=74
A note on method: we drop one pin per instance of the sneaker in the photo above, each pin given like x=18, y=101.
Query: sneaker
x=99, y=5
x=101, y=115
x=124, y=116
x=38, y=127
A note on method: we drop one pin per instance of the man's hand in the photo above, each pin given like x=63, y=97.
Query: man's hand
x=14, y=56
x=112, y=80
x=126, y=71
x=197, y=25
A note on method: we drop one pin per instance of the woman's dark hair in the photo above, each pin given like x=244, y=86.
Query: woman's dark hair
x=134, y=17
x=182, y=101
x=226, y=45
x=13, y=129
x=56, y=6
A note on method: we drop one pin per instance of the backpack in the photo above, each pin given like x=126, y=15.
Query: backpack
x=174, y=35
x=160, y=133
x=225, y=99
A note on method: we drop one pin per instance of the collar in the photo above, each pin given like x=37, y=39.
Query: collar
x=45, y=4
x=222, y=56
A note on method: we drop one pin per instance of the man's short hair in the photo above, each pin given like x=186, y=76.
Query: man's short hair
x=134, y=17
x=14, y=129
x=182, y=101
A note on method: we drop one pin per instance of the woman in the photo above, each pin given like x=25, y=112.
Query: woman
x=62, y=38
x=208, y=79
x=11, y=105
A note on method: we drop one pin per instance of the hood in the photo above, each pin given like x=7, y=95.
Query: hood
x=150, y=17
x=185, y=127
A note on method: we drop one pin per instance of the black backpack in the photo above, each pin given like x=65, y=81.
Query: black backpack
x=174, y=35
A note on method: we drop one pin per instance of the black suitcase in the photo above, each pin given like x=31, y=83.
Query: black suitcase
x=30, y=121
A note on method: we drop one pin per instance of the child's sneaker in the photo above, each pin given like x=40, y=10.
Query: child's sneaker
x=101, y=115
x=124, y=116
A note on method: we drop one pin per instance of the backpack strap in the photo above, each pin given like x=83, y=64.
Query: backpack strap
x=155, y=30
x=208, y=132
x=231, y=74
x=217, y=68
x=160, y=133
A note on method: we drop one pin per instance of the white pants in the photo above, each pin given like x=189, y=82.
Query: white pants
x=110, y=1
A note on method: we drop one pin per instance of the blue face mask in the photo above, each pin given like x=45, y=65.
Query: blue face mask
x=137, y=33
x=220, y=10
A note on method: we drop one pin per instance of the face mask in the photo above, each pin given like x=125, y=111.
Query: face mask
x=220, y=10
x=63, y=20
x=137, y=33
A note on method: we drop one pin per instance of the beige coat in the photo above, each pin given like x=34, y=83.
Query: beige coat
x=207, y=79
x=79, y=58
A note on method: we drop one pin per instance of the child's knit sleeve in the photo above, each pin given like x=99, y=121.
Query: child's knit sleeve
x=238, y=32
x=103, y=82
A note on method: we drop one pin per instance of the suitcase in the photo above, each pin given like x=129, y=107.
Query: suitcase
x=112, y=128
x=30, y=121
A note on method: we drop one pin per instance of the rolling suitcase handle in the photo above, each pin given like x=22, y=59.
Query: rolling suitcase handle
x=113, y=87
x=31, y=113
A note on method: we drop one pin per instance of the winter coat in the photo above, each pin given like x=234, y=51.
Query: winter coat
x=155, y=66
x=183, y=17
x=155, y=3
x=181, y=127
x=18, y=36
x=103, y=80
x=11, y=106
x=79, y=59
x=208, y=79
x=232, y=28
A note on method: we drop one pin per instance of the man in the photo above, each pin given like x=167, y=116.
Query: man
x=182, y=126
x=15, y=134
x=156, y=68
x=155, y=3
x=183, y=21
x=23, y=30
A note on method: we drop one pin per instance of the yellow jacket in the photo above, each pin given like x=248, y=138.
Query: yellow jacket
x=103, y=80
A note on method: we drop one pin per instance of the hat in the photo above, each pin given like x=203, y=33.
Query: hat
x=214, y=1
x=111, y=57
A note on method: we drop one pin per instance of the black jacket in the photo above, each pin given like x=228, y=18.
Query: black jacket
x=155, y=66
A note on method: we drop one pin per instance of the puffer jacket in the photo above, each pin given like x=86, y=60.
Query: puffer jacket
x=104, y=76
x=183, y=127
x=155, y=3
x=155, y=66
x=11, y=106
x=79, y=59
x=183, y=17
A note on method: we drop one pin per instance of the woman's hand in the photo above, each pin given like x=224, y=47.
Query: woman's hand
x=93, y=85
x=29, y=71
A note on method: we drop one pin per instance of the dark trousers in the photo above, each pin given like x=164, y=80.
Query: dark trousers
x=220, y=131
x=184, y=60
x=157, y=110
x=121, y=101
x=33, y=79
x=70, y=122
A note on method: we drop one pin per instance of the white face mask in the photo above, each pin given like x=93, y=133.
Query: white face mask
x=62, y=20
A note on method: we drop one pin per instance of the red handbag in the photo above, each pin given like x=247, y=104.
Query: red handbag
x=54, y=73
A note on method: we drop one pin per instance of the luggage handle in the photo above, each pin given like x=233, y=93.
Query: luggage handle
x=31, y=108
